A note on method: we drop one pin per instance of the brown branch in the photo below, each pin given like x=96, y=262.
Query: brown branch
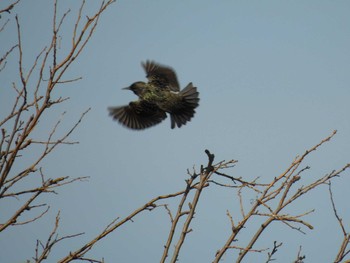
x=342, y=253
x=16, y=139
x=53, y=142
x=58, y=182
x=79, y=43
x=9, y=162
x=231, y=219
x=299, y=257
x=34, y=218
x=47, y=186
x=340, y=221
x=281, y=206
x=16, y=112
x=286, y=180
x=69, y=80
x=52, y=240
x=4, y=25
x=9, y=8
x=274, y=251
x=23, y=208
x=51, y=84
x=248, y=250
x=48, y=148
x=79, y=253
x=204, y=177
x=305, y=189
x=241, y=206
x=6, y=54
x=175, y=220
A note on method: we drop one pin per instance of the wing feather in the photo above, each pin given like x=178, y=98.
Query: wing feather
x=161, y=76
x=138, y=115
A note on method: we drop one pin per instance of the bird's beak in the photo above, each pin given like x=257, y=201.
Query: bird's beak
x=127, y=88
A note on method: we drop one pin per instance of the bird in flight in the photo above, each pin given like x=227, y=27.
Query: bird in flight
x=160, y=95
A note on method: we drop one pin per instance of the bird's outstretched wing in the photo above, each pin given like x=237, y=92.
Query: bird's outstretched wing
x=138, y=115
x=161, y=76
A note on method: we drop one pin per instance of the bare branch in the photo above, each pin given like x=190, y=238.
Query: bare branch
x=231, y=219
x=9, y=8
x=274, y=251
x=24, y=207
x=300, y=258
x=52, y=240
x=204, y=177
x=6, y=54
x=342, y=253
x=286, y=180
x=79, y=253
x=34, y=218
x=4, y=25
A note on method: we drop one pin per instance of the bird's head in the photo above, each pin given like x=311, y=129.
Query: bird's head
x=138, y=87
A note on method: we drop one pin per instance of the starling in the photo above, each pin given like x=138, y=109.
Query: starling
x=160, y=95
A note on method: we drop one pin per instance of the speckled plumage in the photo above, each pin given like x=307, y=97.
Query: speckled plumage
x=159, y=96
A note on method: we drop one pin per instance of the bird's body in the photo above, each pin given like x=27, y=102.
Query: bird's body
x=159, y=96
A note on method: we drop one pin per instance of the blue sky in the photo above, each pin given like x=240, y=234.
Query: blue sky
x=273, y=78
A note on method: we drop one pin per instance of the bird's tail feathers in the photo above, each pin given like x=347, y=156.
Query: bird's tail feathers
x=190, y=101
x=190, y=95
x=181, y=119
